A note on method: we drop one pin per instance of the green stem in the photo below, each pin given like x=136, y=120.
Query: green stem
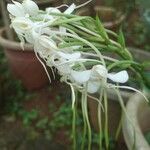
x=74, y=128
x=100, y=120
x=84, y=122
x=119, y=128
x=106, y=120
x=87, y=119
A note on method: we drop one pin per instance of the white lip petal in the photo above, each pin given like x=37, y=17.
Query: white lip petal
x=93, y=86
x=30, y=7
x=73, y=56
x=15, y=10
x=70, y=9
x=120, y=77
x=81, y=76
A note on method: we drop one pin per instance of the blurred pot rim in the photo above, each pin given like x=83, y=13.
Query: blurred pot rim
x=134, y=106
x=13, y=45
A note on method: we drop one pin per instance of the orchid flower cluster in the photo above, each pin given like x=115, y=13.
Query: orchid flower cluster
x=73, y=45
x=33, y=26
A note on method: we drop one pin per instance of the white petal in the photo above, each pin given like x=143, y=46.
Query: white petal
x=47, y=42
x=22, y=25
x=52, y=10
x=93, y=86
x=15, y=10
x=81, y=76
x=120, y=77
x=101, y=70
x=30, y=7
x=73, y=56
x=70, y=9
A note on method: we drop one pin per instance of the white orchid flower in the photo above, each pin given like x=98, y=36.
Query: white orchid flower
x=20, y=10
x=30, y=7
x=45, y=46
x=96, y=76
x=16, y=9
x=59, y=58
x=21, y=25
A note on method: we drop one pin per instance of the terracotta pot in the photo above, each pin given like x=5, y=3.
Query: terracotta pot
x=138, y=112
x=110, y=17
x=24, y=64
x=114, y=111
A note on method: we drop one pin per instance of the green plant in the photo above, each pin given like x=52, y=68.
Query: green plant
x=75, y=46
x=145, y=14
x=28, y=116
x=138, y=33
x=147, y=136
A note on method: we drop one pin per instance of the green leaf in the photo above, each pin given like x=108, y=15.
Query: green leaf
x=121, y=39
x=65, y=21
x=101, y=29
x=123, y=64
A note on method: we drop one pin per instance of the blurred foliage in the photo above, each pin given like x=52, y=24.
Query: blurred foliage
x=138, y=35
x=11, y=89
x=147, y=136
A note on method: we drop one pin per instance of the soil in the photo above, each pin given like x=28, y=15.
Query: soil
x=15, y=136
x=18, y=138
